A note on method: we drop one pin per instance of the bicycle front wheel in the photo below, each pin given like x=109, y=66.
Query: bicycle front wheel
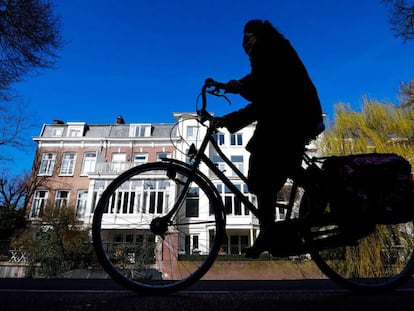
x=362, y=257
x=144, y=246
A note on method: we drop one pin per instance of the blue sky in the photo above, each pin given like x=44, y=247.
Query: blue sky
x=146, y=59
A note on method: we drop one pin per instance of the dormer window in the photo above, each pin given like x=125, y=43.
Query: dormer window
x=140, y=130
x=74, y=132
x=76, y=129
x=57, y=132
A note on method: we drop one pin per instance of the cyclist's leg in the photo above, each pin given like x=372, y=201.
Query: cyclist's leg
x=265, y=179
x=143, y=249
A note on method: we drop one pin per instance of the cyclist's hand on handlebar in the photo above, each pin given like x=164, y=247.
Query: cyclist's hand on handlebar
x=233, y=86
x=218, y=122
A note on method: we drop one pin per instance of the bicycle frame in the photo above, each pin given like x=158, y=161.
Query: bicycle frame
x=358, y=255
x=201, y=157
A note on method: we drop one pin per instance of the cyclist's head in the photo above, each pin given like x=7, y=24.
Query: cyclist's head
x=254, y=26
x=260, y=31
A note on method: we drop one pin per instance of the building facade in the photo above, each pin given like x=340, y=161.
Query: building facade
x=75, y=162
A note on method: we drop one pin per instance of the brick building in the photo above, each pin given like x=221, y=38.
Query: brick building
x=75, y=161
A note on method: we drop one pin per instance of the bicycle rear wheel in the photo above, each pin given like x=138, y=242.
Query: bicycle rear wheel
x=363, y=257
x=141, y=247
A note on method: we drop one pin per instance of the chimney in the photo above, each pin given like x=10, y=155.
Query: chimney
x=120, y=120
x=57, y=121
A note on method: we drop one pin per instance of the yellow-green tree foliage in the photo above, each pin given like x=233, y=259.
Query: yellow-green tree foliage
x=379, y=127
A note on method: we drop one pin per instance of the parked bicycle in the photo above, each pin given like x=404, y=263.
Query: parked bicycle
x=357, y=255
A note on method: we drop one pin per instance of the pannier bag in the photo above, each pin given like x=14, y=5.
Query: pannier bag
x=374, y=187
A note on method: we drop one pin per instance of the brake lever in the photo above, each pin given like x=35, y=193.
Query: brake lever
x=216, y=92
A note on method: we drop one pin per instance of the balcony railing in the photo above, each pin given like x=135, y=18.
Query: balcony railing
x=113, y=167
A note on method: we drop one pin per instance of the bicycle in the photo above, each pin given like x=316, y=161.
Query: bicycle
x=363, y=259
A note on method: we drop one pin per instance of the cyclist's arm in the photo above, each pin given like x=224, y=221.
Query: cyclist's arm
x=237, y=120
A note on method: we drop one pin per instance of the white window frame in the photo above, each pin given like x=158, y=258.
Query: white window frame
x=230, y=200
x=47, y=164
x=140, y=130
x=118, y=161
x=75, y=129
x=62, y=198
x=88, y=162
x=192, y=132
x=68, y=164
x=39, y=202
x=163, y=155
x=239, y=164
x=140, y=158
x=220, y=138
x=57, y=132
x=81, y=201
x=236, y=139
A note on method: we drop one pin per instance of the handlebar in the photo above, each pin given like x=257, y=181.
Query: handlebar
x=203, y=114
x=218, y=85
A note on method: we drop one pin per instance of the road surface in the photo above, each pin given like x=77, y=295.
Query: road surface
x=105, y=295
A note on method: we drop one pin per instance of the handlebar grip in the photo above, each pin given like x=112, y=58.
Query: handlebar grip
x=211, y=82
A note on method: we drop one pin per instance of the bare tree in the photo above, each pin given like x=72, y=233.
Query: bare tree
x=401, y=18
x=16, y=191
x=407, y=94
x=13, y=190
x=29, y=39
x=14, y=125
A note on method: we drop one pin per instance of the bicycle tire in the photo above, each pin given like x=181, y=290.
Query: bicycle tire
x=157, y=261
x=368, y=258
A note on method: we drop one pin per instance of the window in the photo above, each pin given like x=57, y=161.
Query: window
x=155, y=193
x=192, y=132
x=140, y=158
x=238, y=243
x=89, y=162
x=139, y=239
x=118, y=162
x=236, y=139
x=191, y=244
x=140, y=130
x=219, y=138
x=48, y=163
x=233, y=205
x=39, y=203
x=138, y=196
x=81, y=202
x=74, y=132
x=123, y=201
x=237, y=160
x=76, y=129
x=219, y=162
x=68, y=164
x=191, y=203
x=195, y=242
x=280, y=213
x=117, y=238
x=62, y=197
x=57, y=132
x=162, y=155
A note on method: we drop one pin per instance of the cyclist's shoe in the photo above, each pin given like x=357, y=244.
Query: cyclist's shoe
x=260, y=246
x=291, y=244
x=252, y=252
